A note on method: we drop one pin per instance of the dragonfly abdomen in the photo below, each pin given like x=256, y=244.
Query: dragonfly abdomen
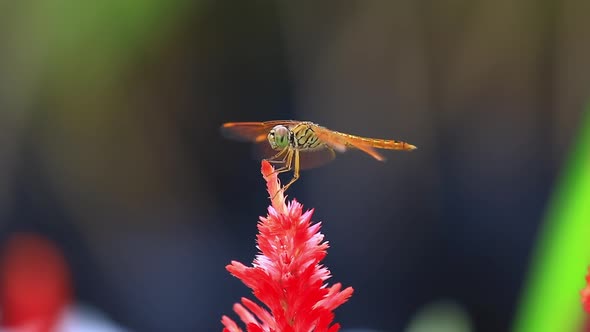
x=380, y=143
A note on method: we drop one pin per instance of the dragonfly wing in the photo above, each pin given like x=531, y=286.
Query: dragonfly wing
x=317, y=158
x=307, y=159
x=252, y=131
x=340, y=142
x=246, y=131
x=330, y=138
x=369, y=150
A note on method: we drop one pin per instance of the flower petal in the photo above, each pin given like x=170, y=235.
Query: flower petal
x=286, y=274
x=229, y=324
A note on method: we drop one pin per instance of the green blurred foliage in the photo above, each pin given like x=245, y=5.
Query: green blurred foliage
x=551, y=300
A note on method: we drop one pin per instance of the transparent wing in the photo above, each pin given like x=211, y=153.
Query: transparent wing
x=340, y=142
x=330, y=138
x=313, y=159
x=368, y=150
x=251, y=131
x=307, y=159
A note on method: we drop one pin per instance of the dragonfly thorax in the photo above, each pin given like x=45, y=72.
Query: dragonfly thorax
x=279, y=137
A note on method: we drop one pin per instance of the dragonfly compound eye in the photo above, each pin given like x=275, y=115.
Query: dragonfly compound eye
x=278, y=137
x=271, y=139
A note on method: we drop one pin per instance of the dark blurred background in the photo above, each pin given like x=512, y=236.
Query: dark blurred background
x=110, y=145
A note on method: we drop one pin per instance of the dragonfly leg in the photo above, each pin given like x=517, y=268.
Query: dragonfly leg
x=295, y=172
x=288, y=166
x=273, y=159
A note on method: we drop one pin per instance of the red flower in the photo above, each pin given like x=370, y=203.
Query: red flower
x=35, y=283
x=586, y=293
x=286, y=276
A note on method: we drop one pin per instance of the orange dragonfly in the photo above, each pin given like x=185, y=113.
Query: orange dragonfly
x=299, y=145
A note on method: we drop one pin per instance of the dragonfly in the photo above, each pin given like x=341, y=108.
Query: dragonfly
x=298, y=145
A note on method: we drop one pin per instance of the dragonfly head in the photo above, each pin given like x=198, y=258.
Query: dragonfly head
x=278, y=137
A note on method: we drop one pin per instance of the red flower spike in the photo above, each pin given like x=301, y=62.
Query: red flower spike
x=35, y=284
x=286, y=275
x=586, y=293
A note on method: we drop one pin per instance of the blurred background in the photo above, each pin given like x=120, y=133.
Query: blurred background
x=117, y=189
